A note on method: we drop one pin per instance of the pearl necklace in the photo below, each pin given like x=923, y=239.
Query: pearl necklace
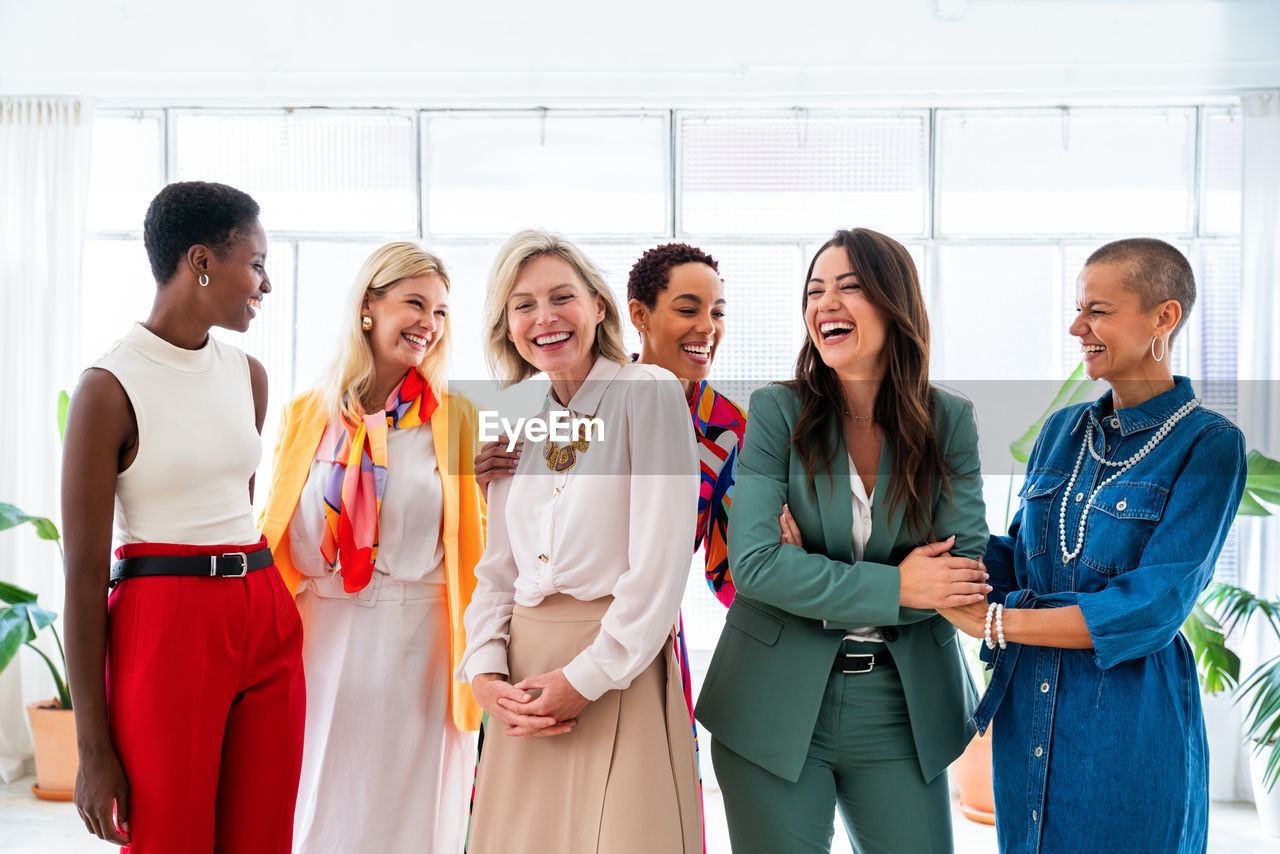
x=1122, y=466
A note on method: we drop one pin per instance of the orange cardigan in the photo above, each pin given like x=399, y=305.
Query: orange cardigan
x=454, y=429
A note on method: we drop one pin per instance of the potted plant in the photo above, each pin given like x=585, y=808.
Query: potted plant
x=1221, y=611
x=53, y=732
x=1225, y=609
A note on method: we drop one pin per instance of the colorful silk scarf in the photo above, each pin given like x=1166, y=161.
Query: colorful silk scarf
x=357, y=445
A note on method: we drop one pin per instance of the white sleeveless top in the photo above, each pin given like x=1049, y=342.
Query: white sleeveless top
x=198, y=443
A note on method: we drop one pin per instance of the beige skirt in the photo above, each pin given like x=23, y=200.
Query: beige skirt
x=623, y=781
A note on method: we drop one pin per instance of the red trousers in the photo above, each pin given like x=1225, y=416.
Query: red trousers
x=206, y=701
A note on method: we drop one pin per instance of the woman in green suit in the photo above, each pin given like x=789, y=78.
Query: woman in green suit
x=835, y=682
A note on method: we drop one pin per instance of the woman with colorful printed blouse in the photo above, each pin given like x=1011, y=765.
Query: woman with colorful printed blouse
x=377, y=524
x=1125, y=509
x=676, y=300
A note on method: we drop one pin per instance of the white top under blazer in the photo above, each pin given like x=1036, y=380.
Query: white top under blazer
x=198, y=442
x=620, y=522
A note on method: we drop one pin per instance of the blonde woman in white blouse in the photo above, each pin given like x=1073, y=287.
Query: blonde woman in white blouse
x=569, y=645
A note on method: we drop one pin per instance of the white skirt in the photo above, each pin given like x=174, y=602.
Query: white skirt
x=383, y=768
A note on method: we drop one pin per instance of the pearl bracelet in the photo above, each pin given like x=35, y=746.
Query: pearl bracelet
x=1000, y=626
x=986, y=632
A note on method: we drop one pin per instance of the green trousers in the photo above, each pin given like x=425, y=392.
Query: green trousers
x=862, y=759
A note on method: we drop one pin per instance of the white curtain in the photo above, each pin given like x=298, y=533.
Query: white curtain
x=1260, y=352
x=44, y=184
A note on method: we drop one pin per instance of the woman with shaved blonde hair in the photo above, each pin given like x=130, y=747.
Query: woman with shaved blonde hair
x=569, y=632
x=377, y=524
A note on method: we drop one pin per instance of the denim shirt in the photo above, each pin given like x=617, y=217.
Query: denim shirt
x=1089, y=727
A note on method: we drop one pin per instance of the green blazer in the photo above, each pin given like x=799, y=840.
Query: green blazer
x=770, y=668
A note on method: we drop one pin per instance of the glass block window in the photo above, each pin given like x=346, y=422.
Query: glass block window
x=802, y=173
x=116, y=291
x=764, y=327
x=1222, y=165
x=310, y=170
x=326, y=271
x=1065, y=171
x=997, y=313
x=495, y=174
x=127, y=170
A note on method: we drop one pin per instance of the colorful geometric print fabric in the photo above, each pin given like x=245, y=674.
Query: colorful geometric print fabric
x=719, y=425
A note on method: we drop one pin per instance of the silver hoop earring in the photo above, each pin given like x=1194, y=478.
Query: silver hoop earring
x=204, y=280
x=1163, y=349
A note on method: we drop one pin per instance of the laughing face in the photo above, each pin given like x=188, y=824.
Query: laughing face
x=238, y=279
x=847, y=330
x=552, y=318
x=685, y=326
x=408, y=321
x=1115, y=333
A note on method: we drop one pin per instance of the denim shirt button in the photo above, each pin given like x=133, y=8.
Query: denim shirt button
x=1039, y=752
x=1115, y=422
x=1044, y=687
x=1033, y=816
x=1079, y=497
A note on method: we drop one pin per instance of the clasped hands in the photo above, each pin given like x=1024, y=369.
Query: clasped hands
x=554, y=711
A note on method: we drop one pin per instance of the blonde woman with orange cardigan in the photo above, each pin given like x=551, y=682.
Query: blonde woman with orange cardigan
x=377, y=523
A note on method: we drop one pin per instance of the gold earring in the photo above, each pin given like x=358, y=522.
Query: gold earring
x=366, y=323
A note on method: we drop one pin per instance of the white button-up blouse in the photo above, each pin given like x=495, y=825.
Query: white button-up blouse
x=620, y=522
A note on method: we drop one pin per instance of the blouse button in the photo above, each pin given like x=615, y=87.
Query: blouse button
x=1044, y=687
x=1121, y=505
x=1039, y=752
x=866, y=520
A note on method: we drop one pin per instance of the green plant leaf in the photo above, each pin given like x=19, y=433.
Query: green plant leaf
x=1217, y=666
x=64, y=403
x=12, y=594
x=1262, y=484
x=15, y=630
x=11, y=517
x=1076, y=389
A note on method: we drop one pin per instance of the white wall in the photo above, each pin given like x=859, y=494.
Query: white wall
x=661, y=52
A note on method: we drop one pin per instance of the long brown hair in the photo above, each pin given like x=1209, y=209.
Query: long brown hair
x=904, y=406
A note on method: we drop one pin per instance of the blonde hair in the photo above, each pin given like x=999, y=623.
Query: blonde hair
x=351, y=375
x=505, y=361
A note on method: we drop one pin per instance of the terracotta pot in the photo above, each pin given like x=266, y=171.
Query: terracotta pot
x=53, y=732
x=973, y=777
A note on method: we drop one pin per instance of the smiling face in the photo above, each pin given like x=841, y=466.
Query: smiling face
x=408, y=320
x=552, y=318
x=238, y=279
x=685, y=326
x=848, y=332
x=1115, y=333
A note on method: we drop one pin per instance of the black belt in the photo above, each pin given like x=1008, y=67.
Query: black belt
x=863, y=662
x=225, y=565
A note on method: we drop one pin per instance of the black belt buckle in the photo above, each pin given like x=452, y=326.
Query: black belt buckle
x=244, y=565
x=857, y=663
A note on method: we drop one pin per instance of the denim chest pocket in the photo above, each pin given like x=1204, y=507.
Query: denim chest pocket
x=1037, y=496
x=1121, y=519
